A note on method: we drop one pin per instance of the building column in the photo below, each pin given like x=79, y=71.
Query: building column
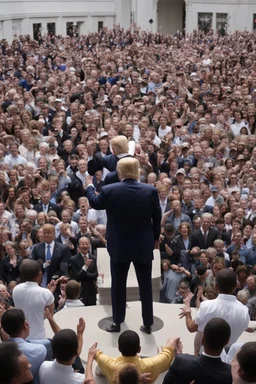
x=25, y=26
x=58, y=26
x=189, y=17
x=7, y=30
x=89, y=26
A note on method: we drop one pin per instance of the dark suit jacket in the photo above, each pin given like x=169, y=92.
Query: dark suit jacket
x=111, y=178
x=98, y=163
x=73, y=240
x=197, y=239
x=164, y=167
x=51, y=207
x=59, y=262
x=202, y=369
x=87, y=278
x=75, y=188
x=134, y=217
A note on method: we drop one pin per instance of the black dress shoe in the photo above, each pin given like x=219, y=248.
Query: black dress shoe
x=113, y=328
x=146, y=329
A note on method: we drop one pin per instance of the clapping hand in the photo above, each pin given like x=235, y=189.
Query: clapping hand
x=52, y=285
x=92, y=351
x=199, y=292
x=145, y=378
x=88, y=180
x=80, y=326
x=88, y=262
x=175, y=343
x=188, y=299
x=47, y=314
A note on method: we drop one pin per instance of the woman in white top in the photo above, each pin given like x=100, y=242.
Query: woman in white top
x=238, y=123
x=163, y=127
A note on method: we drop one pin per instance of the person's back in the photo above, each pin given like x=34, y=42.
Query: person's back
x=225, y=306
x=127, y=215
x=32, y=298
x=129, y=346
x=208, y=367
x=72, y=295
x=60, y=371
x=16, y=326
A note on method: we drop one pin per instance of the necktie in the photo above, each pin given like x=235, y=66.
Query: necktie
x=205, y=237
x=45, y=208
x=48, y=253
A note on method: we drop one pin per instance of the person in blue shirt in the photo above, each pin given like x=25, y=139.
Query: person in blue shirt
x=239, y=247
x=27, y=83
x=16, y=329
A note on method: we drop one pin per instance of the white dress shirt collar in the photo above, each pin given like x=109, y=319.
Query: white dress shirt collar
x=51, y=245
x=213, y=357
x=121, y=155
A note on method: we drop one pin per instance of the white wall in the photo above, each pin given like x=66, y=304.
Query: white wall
x=18, y=16
x=240, y=13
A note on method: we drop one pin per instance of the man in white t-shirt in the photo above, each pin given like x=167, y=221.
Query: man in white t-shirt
x=32, y=298
x=226, y=306
x=163, y=127
x=65, y=348
x=238, y=123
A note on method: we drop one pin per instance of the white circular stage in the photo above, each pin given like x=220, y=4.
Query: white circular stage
x=107, y=342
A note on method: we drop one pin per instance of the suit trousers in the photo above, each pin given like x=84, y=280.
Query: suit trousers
x=119, y=272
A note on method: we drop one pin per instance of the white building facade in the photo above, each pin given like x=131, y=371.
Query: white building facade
x=82, y=17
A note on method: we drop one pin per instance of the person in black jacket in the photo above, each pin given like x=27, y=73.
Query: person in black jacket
x=208, y=367
x=84, y=270
x=97, y=162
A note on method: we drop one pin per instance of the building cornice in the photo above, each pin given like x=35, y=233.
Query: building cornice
x=55, y=15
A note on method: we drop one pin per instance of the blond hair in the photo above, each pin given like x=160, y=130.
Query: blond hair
x=128, y=168
x=119, y=145
x=49, y=227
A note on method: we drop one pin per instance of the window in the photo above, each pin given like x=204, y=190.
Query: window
x=72, y=29
x=205, y=22
x=100, y=25
x=37, y=31
x=221, y=22
x=254, y=22
x=51, y=29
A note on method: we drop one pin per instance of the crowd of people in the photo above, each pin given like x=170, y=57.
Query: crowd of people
x=184, y=106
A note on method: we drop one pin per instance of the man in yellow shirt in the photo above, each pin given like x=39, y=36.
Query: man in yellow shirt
x=129, y=346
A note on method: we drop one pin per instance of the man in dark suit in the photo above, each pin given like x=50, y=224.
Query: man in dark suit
x=84, y=270
x=66, y=237
x=45, y=205
x=119, y=146
x=205, y=236
x=133, y=229
x=54, y=257
x=161, y=164
x=208, y=367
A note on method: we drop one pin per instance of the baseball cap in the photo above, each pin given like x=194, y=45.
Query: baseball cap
x=181, y=171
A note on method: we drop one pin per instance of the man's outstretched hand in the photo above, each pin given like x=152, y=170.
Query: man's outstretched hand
x=80, y=326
